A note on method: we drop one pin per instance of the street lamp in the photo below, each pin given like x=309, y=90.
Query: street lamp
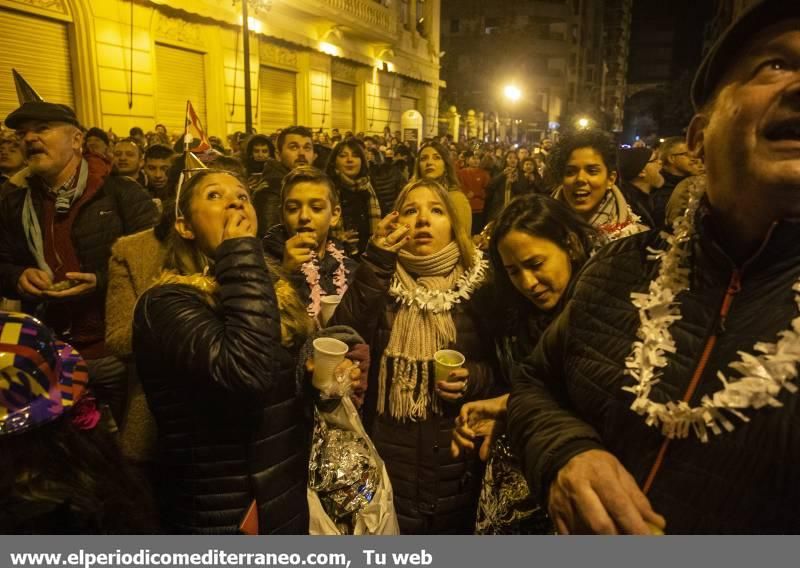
x=258, y=6
x=512, y=93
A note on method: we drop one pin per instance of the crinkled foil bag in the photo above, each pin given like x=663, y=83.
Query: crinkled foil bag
x=506, y=505
x=340, y=470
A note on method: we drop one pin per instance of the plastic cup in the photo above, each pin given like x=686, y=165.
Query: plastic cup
x=328, y=353
x=447, y=360
x=328, y=305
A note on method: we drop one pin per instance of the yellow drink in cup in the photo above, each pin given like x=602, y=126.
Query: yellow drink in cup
x=445, y=361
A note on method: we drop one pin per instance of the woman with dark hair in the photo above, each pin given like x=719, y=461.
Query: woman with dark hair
x=537, y=247
x=62, y=472
x=348, y=167
x=435, y=163
x=232, y=433
x=411, y=297
x=583, y=166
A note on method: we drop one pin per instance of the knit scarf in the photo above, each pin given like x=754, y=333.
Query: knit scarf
x=406, y=367
x=65, y=197
x=364, y=184
x=607, y=211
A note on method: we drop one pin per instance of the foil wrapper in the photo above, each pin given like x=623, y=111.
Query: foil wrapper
x=506, y=505
x=341, y=471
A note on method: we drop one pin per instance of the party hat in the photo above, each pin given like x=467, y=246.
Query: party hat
x=25, y=93
x=191, y=166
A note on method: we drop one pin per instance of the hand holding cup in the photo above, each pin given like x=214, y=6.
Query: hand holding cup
x=451, y=375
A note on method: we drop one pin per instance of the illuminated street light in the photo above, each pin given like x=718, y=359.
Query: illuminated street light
x=512, y=93
x=583, y=122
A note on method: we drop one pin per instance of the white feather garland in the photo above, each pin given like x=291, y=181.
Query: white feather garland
x=762, y=377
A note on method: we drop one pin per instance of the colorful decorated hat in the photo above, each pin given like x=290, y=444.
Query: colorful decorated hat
x=40, y=377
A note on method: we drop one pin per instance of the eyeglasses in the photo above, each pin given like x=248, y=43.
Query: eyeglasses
x=679, y=154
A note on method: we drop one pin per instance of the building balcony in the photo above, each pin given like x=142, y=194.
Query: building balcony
x=366, y=18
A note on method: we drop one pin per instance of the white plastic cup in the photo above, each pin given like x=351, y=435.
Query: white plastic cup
x=328, y=305
x=447, y=360
x=328, y=353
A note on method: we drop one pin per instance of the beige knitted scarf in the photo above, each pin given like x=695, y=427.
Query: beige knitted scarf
x=417, y=333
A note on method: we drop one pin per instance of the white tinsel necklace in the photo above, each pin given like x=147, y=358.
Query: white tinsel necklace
x=762, y=376
x=438, y=301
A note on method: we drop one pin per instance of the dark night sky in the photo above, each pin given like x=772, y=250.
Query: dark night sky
x=661, y=25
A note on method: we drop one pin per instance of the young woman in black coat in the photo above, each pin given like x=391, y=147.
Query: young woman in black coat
x=233, y=440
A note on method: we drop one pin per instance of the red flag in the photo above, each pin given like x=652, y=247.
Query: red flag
x=194, y=137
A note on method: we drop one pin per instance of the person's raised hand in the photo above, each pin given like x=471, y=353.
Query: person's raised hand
x=237, y=224
x=360, y=355
x=83, y=283
x=593, y=493
x=479, y=419
x=298, y=250
x=33, y=282
x=390, y=235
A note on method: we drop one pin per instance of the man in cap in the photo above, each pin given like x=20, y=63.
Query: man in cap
x=639, y=174
x=58, y=220
x=622, y=415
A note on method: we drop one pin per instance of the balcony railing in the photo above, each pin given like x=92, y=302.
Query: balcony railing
x=369, y=17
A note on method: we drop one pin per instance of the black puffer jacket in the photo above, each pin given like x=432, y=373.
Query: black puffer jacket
x=231, y=425
x=120, y=207
x=660, y=197
x=433, y=493
x=568, y=397
x=387, y=182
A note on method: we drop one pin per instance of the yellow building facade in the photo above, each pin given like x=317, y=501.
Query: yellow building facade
x=347, y=64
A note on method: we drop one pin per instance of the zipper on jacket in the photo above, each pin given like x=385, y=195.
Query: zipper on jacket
x=734, y=286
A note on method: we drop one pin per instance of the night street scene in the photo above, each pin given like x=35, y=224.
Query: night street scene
x=399, y=267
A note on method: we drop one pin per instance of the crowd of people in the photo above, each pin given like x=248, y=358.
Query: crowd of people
x=626, y=317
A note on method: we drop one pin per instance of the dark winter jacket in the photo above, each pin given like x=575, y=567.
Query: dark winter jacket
x=641, y=203
x=433, y=493
x=660, y=197
x=120, y=207
x=231, y=425
x=355, y=213
x=495, y=192
x=274, y=246
x=387, y=181
x=567, y=397
x=117, y=207
x=267, y=196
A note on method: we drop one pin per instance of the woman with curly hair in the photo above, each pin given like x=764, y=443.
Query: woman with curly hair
x=583, y=166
